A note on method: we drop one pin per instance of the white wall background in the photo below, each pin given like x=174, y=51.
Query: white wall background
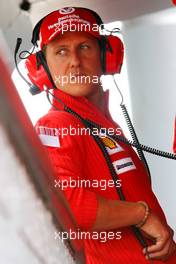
x=151, y=62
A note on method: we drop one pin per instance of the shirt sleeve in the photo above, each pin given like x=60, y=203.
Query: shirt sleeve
x=67, y=155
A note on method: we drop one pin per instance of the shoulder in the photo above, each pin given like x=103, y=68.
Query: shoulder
x=62, y=126
x=59, y=119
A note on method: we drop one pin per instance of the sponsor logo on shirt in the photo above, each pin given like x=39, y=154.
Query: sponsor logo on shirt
x=48, y=136
x=124, y=165
x=111, y=145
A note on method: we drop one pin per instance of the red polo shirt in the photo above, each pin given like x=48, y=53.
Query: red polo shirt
x=78, y=158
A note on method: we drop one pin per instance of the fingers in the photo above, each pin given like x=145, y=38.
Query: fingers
x=160, y=244
x=168, y=249
x=163, y=246
x=161, y=253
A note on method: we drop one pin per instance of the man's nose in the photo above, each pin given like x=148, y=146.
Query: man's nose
x=75, y=59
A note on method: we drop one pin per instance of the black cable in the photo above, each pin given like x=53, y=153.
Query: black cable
x=18, y=44
x=135, y=139
x=27, y=52
x=114, y=175
x=148, y=149
x=133, y=144
x=103, y=149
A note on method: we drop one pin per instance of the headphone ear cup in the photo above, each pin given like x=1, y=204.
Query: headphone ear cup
x=113, y=55
x=37, y=73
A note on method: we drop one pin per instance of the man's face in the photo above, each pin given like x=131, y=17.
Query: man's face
x=71, y=57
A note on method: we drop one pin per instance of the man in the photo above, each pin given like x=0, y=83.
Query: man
x=74, y=56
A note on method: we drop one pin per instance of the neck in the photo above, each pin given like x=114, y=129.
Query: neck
x=97, y=99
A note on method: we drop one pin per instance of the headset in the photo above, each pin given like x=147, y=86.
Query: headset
x=112, y=54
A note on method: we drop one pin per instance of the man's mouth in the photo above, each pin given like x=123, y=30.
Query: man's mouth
x=77, y=74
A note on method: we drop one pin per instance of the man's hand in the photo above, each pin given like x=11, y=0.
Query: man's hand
x=164, y=245
x=117, y=214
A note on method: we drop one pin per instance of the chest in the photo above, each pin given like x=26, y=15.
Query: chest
x=129, y=169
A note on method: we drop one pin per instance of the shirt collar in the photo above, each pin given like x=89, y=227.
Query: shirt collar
x=82, y=105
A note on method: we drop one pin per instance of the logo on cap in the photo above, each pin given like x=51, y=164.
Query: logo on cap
x=66, y=10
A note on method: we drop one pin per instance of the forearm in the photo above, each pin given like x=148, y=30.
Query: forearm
x=116, y=214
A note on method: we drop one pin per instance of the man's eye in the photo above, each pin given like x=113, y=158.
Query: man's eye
x=85, y=46
x=61, y=52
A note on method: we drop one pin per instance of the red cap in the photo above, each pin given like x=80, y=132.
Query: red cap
x=68, y=19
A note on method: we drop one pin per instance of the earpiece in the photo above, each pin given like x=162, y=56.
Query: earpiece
x=38, y=73
x=112, y=53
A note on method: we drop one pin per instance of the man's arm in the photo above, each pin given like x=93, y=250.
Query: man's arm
x=117, y=214
x=114, y=214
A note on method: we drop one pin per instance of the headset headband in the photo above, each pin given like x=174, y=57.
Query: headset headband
x=112, y=50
